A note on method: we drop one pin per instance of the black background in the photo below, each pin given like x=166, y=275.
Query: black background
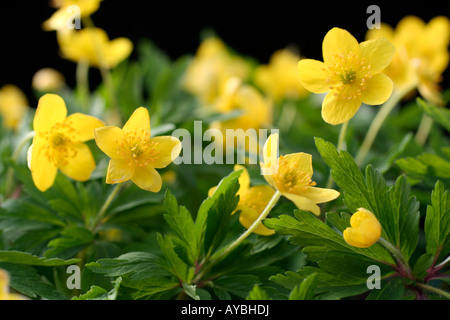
x=254, y=28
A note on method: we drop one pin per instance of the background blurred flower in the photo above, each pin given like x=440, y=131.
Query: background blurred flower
x=279, y=79
x=48, y=79
x=93, y=46
x=13, y=105
x=210, y=69
x=59, y=143
x=4, y=288
x=61, y=18
x=421, y=53
x=350, y=73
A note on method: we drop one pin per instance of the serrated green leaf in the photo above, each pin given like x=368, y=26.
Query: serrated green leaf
x=437, y=222
x=238, y=285
x=392, y=289
x=257, y=294
x=422, y=264
x=191, y=290
x=175, y=265
x=70, y=242
x=25, y=258
x=305, y=290
x=438, y=114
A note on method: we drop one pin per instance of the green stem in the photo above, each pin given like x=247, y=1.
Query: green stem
x=378, y=121
x=237, y=242
x=424, y=129
x=340, y=146
x=437, y=291
x=82, y=75
x=106, y=205
x=398, y=256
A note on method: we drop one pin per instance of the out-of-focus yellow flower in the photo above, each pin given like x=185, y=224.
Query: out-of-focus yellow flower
x=350, y=73
x=210, y=69
x=134, y=155
x=4, y=288
x=279, y=78
x=169, y=176
x=421, y=53
x=256, y=111
x=61, y=18
x=93, y=46
x=59, y=143
x=48, y=79
x=292, y=175
x=365, y=229
x=13, y=105
x=252, y=201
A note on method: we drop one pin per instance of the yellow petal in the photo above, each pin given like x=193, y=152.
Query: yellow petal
x=84, y=125
x=270, y=152
x=244, y=178
x=303, y=203
x=51, y=109
x=385, y=31
x=313, y=75
x=42, y=170
x=336, y=110
x=80, y=166
x=138, y=123
x=211, y=191
x=378, y=53
x=248, y=216
x=320, y=195
x=378, y=89
x=167, y=149
x=117, y=51
x=438, y=31
x=147, y=178
x=300, y=161
x=109, y=139
x=119, y=171
x=338, y=41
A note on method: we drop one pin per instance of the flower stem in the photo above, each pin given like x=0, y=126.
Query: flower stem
x=106, y=205
x=82, y=75
x=340, y=146
x=378, y=121
x=398, y=256
x=434, y=290
x=216, y=258
x=276, y=196
x=424, y=129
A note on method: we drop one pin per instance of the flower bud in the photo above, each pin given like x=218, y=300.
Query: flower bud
x=365, y=229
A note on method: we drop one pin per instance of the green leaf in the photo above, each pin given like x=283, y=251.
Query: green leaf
x=25, y=258
x=214, y=213
x=257, y=294
x=394, y=207
x=437, y=222
x=71, y=241
x=176, y=265
x=180, y=221
x=393, y=289
x=191, y=290
x=98, y=293
x=438, y=114
x=422, y=264
x=239, y=285
x=305, y=290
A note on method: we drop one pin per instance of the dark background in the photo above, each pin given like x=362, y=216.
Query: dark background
x=252, y=28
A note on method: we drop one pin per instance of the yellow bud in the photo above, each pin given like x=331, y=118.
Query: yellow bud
x=365, y=229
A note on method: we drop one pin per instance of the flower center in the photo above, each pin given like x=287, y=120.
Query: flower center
x=290, y=179
x=138, y=149
x=348, y=75
x=58, y=147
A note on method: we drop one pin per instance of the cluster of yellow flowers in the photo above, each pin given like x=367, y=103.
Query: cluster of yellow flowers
x=351, y=74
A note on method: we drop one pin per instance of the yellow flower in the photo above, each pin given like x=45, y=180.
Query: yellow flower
x=48, y=79
x=256, y=111
x=365, y=229
x=421, y=53
x=4, y=288
x=61, y=18
x=134, y=155
x=252, y=201
x=350, y=73
x=279, y=78
x=210, y=69
x=93, y=46
x=292, y=175
x=13, y=105
x=59, y=143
